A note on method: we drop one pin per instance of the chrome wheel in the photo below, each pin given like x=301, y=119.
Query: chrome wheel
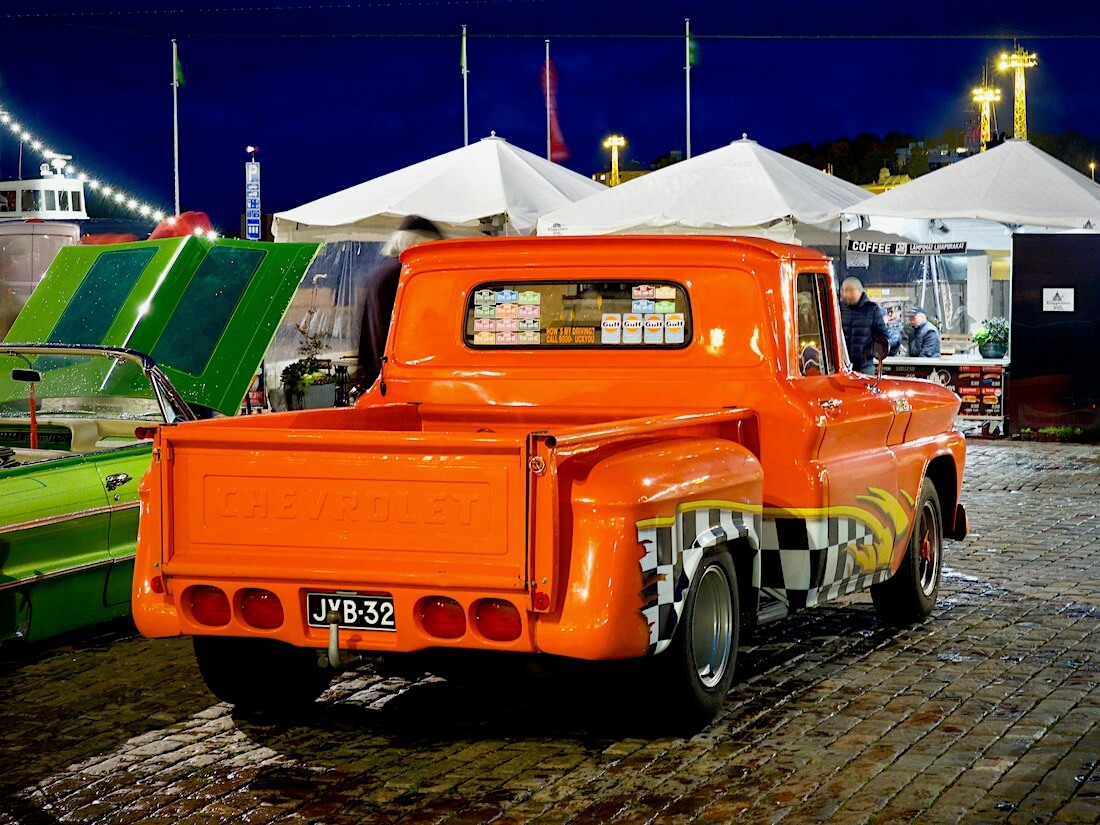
x=712, y=627
x=930, y=547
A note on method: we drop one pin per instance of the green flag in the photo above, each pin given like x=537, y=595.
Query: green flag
x=179, y=71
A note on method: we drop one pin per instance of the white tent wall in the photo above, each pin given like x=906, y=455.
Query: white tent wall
x=328, y=303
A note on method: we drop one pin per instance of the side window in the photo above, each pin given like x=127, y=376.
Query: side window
x=815, y=347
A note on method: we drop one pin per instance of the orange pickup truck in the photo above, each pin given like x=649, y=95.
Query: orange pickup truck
x=624, y=448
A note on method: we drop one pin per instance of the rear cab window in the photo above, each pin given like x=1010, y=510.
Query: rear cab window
x=574, y=314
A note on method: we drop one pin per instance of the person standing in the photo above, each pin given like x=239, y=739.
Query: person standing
x=380, y=291
x=924, y=339
x=861, y=320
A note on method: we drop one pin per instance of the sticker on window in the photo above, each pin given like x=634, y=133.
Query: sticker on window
x=603, y=314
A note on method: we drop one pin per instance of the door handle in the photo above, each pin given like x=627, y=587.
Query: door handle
x=117, y=480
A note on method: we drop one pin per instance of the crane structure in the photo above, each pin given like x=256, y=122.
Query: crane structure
x=1019, y=61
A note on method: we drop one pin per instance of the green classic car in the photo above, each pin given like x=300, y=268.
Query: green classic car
x=77, y=405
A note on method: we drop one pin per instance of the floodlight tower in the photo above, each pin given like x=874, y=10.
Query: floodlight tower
x=985, y=97
x=1020, y=61
x=614, y=143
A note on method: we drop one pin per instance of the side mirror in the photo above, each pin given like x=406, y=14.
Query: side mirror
x=879, y=351
x=26, y=376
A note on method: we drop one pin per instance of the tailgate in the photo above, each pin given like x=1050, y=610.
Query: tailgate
x=397, y=507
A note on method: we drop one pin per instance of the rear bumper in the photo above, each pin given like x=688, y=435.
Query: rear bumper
x=409, y=634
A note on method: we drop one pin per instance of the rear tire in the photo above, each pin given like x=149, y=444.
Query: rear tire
x=910, y=594
x=697, y=668
x=261, y=676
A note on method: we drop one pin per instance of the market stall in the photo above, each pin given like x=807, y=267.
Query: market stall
x=945, y=242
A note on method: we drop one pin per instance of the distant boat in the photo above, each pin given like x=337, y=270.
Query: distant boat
x=38, y=216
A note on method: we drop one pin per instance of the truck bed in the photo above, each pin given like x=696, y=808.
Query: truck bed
x=372, y=493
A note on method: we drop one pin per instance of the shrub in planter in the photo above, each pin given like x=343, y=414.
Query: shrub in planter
x=992, y=337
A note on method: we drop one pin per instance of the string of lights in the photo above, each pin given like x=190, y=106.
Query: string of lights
x=62, y=164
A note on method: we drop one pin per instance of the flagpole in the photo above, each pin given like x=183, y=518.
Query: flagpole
x=176, y=124
x=547, y=89
x=687, y=81
x=465, y=95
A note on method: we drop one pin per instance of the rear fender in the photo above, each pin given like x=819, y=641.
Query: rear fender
x=634, y=524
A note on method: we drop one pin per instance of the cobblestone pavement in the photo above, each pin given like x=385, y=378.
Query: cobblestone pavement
x=987, y=713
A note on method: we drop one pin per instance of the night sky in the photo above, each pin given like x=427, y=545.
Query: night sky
x=338, y=93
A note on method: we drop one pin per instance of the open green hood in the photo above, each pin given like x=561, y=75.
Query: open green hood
x=205, y=311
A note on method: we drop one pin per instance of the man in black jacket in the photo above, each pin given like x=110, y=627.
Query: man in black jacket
x=861, y=320
x=380, y=289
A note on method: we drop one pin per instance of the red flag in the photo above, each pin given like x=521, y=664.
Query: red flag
x=558, y=149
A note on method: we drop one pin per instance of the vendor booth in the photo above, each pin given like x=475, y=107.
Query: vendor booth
x=946, y=242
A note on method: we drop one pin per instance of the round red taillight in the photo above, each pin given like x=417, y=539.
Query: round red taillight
x=261, y=609
x=209, y=606
x=156, y=584
x=498, y=620
x=443, y=617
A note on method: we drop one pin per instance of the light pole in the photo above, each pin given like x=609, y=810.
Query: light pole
x=614, y=143
x=1019, y=61
x=1092, y=170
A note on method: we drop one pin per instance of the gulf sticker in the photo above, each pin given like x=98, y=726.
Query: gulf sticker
x=666, y=293
x=484, y=296
x=506, y=325
x=530, y=297
x=642, y=307
x=529, y=324
x=507, y=296
x=485, y=325
x=507, y=337
x=674, y=328
x=529, y=310
x=632, y=329
x=483, y=338
x=665, y=307
x=643, y=291
x=611, y=328
x=529, y=338
x=654, y=329
x=507, y=310
x=485, y=311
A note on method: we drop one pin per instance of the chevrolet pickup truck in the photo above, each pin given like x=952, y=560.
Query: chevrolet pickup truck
x=617, y=448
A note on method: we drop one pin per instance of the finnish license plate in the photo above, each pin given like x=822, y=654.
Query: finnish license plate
x=354, y=611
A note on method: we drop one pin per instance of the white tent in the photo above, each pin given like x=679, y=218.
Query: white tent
x=741, y=188
x=1014, y=185
x=488, y=187
x=983, y=201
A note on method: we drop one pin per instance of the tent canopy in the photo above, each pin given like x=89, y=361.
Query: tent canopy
x=488, y=186
x=740, y=188
x=1014, y=183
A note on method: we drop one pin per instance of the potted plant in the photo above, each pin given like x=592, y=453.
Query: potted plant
x=992, y=337
x=306, y=382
